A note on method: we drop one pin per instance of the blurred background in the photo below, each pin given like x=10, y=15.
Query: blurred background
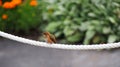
x=71, y=21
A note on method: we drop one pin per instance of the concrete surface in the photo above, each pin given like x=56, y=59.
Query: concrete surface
x=15, y=54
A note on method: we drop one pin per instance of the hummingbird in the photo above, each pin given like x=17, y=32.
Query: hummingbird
x=49, y=37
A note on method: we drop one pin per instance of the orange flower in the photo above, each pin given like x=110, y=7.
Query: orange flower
x=17, y=2
x=12, y=4
x=4, y=16
x=0, y=3
x=33, y=3
x=9, y=5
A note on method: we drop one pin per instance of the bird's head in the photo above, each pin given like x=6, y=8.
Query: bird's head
x=46, y=33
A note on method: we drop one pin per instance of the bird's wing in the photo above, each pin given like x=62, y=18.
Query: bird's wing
x=53, y=38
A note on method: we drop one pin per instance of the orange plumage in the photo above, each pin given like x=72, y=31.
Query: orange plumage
x=49, y=37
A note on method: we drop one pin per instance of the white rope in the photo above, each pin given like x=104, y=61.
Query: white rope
x=60, y=46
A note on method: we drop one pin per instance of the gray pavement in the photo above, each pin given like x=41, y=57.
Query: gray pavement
x=15, y=54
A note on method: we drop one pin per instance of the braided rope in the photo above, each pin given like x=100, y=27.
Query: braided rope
x=60, y=46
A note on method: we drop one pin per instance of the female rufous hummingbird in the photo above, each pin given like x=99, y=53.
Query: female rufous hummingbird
x=49, y=37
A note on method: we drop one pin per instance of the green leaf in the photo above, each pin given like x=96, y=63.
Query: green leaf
x=96, y=39
x=68, y=31
x=58, y=13
x=84, y=26
x=92, y=14
x=112, y=38
x=111, y=19
x=88, y=36
x=106, y=30
x=75, y=38
x=67, y=22
x=52, y=27
x=57, y=34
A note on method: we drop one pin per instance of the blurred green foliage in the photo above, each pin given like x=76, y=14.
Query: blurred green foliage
x=82, y=21
x=21, y=18
x=72, y=21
